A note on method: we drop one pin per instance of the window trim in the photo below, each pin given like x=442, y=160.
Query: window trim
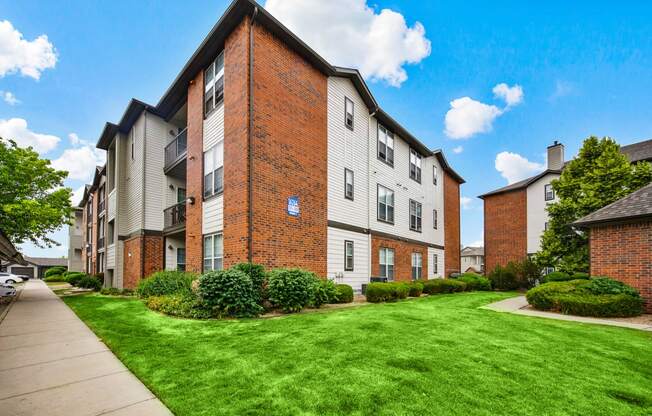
x=378, y=186
x=435, y=218
x=212, y=85
x=213, y=193
x=435, y=264
x=387, y=249
x=387, y=132
x=420, y=229
x=213, y=257
x=419, y=268
x=418, y=155
x=352, y=184
x=346, y=267
x=346, y=114
x=435, y=174
x=545, y=192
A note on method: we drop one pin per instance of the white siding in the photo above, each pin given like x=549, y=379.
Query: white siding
x=172, y=185
x=213, y=208
x=440, y=263
x=130, y=205
x=171, y=245
x=536, y=211
x=214, y=127
x=212, y=215
x=111, y=205
x=361, y=257
x=110, y=256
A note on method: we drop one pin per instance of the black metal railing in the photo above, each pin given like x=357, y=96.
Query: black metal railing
x=175, y=215
x=100, y=243
x=177, y=148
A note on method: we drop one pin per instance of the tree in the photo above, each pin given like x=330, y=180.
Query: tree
x=598, y=176
x=33, y=201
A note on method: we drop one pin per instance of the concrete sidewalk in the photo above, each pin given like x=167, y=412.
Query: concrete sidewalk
x=519, y=305
x=52, y=364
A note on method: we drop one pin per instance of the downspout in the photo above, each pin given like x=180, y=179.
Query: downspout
x=369, y=252
x=142, y=199
x=250, y=144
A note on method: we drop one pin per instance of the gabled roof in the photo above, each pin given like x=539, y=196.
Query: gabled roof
x=8, y=251
x=46, y=261
x=472, y=251
x=521, y=184
x=635, y=206
x=129, y=117
x=636, y=152
x=89, y=189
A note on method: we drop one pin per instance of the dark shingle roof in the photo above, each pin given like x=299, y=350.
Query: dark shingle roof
x=47, y=261
x=638, y=151
x=472, y=251
x=636, y=205
x=520, y=184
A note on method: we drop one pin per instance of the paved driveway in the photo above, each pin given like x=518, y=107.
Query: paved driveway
x=52, y=364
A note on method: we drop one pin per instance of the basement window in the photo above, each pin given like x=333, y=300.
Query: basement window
x=214, y=85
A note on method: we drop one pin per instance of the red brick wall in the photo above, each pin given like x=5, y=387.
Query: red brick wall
x=290, y=157
x=133, y=255
x=402, y=257
x=624, y=252
x=194, y=174
x=505, y=228
x=451, y=225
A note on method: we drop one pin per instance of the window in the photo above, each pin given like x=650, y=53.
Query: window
x=214, y=84
x=415, y=216
x=213, y=252
x=549, y=193
x=434, y=175
x=181, y=195
x=386, y=260
x=434, y=219
x=181, y=259
x=133, y=142
x=435, y=264
x=385, y=204
x=348, y=113
x=348, y=184
x=348, y=256
x=415, y=165
x=385, y=145
x=416, y=266
x=214, y=170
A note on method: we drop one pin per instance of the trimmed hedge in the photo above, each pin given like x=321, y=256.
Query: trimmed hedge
x=182, y=305
x=165, y=283
x=89, y=282
x=229, y=292
x=114, y=291
x=416, y=289
x=443, y=286
x=607, y=286
x=475, y=281
x=74, y=278
x=557, y=277
x=386, y=292
x=325, y=292
x=291, y=289
x=56, y=270
x=580, y=275
x=55, y=278
x=258, y=277
x=344, y=294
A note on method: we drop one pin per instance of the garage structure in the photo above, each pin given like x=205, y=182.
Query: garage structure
x=35, y=267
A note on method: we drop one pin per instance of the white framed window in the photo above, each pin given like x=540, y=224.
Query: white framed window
x=385, y=204
x=417, y=263
x=415, y=216
x=434, y=219
x=415, y=165
x=435, y=264
x=348, y=113
x=213, y=252
x=348, y=255
x=348, y=184
x=434, y=175
x=385, y=145
x=549, y=192
x=214, y=84
x=386, y=260
x=214, y=170
x=181, y=259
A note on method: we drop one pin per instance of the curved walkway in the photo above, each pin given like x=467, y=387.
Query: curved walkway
x=519, y=305
x=51, y=363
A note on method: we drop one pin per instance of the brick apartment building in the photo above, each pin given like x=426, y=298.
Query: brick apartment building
x=262, y=151
x=93, y=226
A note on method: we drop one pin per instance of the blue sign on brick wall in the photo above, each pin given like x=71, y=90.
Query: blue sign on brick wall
x=293, y=206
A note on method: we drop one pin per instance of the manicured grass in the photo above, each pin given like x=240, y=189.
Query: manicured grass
x=438, y=355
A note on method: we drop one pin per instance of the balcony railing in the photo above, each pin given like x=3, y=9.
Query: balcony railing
x=176, y=149
x=175, y=215
x=100, y=243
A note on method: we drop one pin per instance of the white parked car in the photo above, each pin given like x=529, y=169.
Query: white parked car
x=7, y=291
x=9, y=278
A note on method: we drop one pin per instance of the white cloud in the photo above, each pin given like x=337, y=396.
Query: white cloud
x=29, y=58
x=458, y=150
x=511, y=95
x=350, y=33
x=563, y=89
x=9, y=97
x=16, y=129
x=476, y=243
x=80, y=162
x=515, y=167
x=77, y=195
x=468, y=117
x=466, y=202
x=74, y=140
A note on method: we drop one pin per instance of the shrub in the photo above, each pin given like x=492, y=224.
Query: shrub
x=527, y=272
x=607, y=286
x=114, y=291
x=89, y=282
x=183, y=305
x=229, y=292
x=344, y=294
x=74, y=278
x=56, y=270
x=165, y=283
x=443, y=286
x=475, y=281
x=258, y=278
x=325, y=292
x=503, y=278
x=291, y=289
x=415, y=289
x=543, y=296
x=55, y=278
x=556, y=277
x=580, y=275
x=387, y=292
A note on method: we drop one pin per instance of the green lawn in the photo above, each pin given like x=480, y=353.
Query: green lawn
x=438, y=355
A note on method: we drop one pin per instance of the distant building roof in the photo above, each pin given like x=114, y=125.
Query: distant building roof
x=8, y=251
x=636, y=152
x=634, y=206
x=472, y=251
x=47, y=261
x=520, y=184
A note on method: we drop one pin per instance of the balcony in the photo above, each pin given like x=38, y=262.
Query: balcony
x=174, y=218
x=175, y=155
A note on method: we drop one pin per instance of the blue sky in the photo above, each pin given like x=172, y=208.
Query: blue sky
x=583, y=68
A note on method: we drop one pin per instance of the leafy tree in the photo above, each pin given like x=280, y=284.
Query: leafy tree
x=598, y=176
x=33, y=201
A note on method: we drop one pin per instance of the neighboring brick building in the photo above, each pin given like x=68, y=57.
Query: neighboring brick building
x=93, y=225
x=620, y=241
x=262, y=151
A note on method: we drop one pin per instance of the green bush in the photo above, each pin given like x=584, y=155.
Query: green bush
x=415, y=289
x=344, y=294
x=75, y=277
x=114, y=291
x=557, y=277
x=258, y=277
x=55, y=278
x=475, y=281
x=291, y=289
x=607, y=286
x=504, y=278
x=325, y=292
x=183, y=305
x=443, y=286
x=165, y=283
x=56, y=270
x=89, y=282
x=580, y=275
x=229, y=292
x=387, y=292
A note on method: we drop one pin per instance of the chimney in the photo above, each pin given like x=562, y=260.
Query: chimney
x=556, y=156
